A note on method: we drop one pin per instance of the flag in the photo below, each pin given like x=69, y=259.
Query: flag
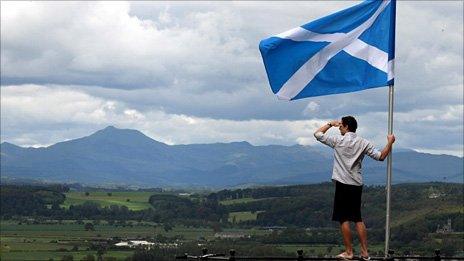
x=350, y=50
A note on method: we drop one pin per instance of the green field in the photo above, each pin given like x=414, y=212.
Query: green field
x=74, y=231
x=44, y=241
x=240, y=200
x=58, y=255
x=242, y=216
x=132, y=200
x=410, y=216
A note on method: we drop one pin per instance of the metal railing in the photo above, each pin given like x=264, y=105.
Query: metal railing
x=300, y=257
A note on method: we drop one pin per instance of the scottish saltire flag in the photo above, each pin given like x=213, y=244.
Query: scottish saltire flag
x=351, y=50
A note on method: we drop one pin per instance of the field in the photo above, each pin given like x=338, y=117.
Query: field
x=58, y=255
x=132, y=200
x=53, y=241
x=42, y=242
x=236, y=217
x=241, y=200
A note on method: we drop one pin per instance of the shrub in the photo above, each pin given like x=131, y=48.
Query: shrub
x=67, y=258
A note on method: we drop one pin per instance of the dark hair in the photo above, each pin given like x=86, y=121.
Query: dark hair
x=351, y=122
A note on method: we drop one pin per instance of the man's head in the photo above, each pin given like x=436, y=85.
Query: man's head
x=349, y=124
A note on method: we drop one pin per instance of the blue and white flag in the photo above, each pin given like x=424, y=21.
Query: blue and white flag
x=351, y=50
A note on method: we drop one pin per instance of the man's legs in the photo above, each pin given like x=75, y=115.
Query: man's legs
x=346, y=233
x=362, y=232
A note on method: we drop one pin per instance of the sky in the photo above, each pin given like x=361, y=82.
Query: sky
x=191, y=72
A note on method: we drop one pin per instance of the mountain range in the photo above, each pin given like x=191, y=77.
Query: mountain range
x=128, y=157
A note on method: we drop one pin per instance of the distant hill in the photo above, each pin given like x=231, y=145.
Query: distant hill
x=128, y=157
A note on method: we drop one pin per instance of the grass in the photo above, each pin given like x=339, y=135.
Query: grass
x=46, y=255
x=242, y=216
x=45, y=241
x=132, y=200
x=240, y=200
x=75, y=231
x=410, y=216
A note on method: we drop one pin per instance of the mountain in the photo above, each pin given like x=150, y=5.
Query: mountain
x=128, y=157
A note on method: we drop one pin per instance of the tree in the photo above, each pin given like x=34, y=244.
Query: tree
x=216, y=227
x=56, y=206
x=67, y=258
x=167, y=227
x=109, y=194
x=88, y=257
x=100, y=251
x=89, y=226
x=87, y=194
x=329, y=249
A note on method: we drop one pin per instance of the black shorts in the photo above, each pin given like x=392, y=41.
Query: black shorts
x=347, y=203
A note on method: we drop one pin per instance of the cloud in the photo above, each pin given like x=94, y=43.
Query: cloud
x=71, y=68
x=437, y=130
x=102, y=44
x=189, y=54
x=311, y=108
x=44, y=114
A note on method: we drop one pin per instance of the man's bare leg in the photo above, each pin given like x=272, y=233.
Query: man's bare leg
x=362, y=232
x=346, y=233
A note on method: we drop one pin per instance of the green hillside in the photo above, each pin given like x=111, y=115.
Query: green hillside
x=134, y=200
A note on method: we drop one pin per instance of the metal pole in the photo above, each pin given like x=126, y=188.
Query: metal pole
x=389, y=169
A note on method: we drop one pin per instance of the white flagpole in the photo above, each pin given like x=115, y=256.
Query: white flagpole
x=389, y=169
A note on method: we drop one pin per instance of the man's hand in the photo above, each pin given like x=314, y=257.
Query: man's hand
x=384, y=153
x=391, y=138
x=324, y=128
x=335, y=123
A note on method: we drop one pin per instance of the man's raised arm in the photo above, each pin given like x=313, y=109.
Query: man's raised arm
x=319, y=134
x=327, y=126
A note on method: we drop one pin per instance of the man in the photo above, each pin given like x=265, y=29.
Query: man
x=349, y=151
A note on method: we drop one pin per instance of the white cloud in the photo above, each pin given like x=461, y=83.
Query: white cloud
x=439, y=129
x=34, y=103
x=31, y=110
x=101, y=43
x=445, y=115
x=190, y=72
x=42, y=106
x=455, y=152
x=311, y=108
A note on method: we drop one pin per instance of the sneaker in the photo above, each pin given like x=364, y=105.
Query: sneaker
x=344, y=256
x=365, y=258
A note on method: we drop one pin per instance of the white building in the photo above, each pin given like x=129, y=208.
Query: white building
x=135, y=243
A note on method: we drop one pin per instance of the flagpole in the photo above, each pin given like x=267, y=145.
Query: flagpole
x=389, y=169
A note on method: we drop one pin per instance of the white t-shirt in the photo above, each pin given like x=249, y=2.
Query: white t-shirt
x=349, y=150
